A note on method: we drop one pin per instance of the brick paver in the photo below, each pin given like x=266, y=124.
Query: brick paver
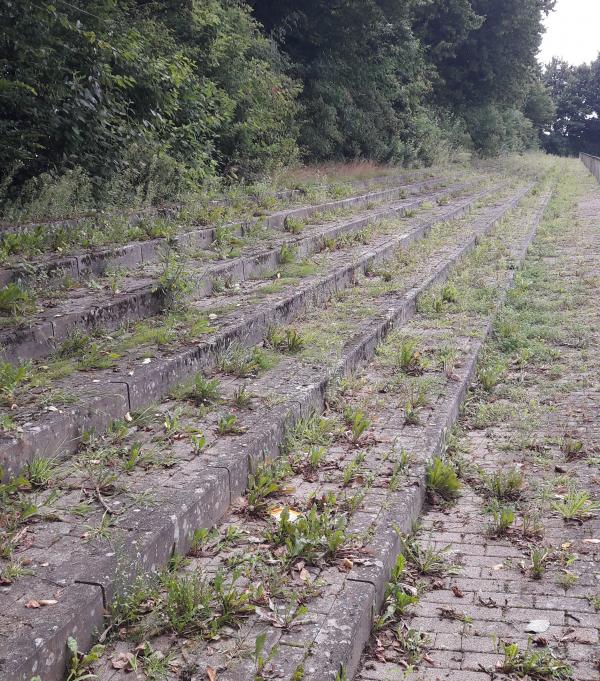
x=551, y=388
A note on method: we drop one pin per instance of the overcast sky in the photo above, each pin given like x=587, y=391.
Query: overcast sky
x=573, y=32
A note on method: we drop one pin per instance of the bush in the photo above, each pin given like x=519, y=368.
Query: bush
x=130, y=103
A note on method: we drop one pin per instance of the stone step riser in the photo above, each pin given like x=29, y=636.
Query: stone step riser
x=211, y=496
x=143, y=252
x=40, y=340
x=370, y=582
x=110, y=400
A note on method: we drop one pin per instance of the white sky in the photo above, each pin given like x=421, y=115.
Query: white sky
x=572, y=32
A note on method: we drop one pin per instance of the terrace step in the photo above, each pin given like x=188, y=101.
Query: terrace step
x=89, y=262
x=171, y=209
x=42, y=333
x=199, y=494
x=111, y=394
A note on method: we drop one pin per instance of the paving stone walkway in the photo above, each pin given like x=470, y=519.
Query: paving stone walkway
x=542, y=418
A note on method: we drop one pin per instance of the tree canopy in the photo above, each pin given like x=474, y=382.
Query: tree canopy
x=134, y=95
x=575, y=91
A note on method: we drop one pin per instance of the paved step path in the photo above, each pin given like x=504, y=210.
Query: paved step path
x=144, y=460
x=540, y=416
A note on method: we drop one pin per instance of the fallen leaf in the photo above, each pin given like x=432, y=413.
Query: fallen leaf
x=345, y=565
x=123, y=660
x=32, y=604
x=211, y=673
x=457, y=592
x=276, y=514
x=591, y=541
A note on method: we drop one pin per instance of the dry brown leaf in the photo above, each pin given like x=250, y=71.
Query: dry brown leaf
x=211, y=672
x=123, y=660
x=42, y=602
x=345, y=565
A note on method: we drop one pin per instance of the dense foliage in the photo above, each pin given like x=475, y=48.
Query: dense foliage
x=575, y=91
x=159, y=92
x=135, y=100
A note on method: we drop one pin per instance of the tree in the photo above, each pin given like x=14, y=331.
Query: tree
x=576, y=93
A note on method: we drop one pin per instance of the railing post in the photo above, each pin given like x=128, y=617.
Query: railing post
x=592, y=163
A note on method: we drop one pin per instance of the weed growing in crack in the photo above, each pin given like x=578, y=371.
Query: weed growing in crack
x=15, y=300
x=502, y=518
x=489, y=375
x=532, y=663
x=357, y=421
x=449, y=293
x=102, y=530
x=244, y=362
x=13, y=571
x=263, y=484
x=313, y=430
x=411, y=414
x=538, y=559
x=409, y=359
x=490, y=415
x=397, y=600
x=567, y=579
x=188, y=600
x=172, y=422
x=288, y=340
x=81, y=664
x=594, y=601
x=94, y=357
x=531, y=523
x=293, y=225
x=154, y=663
x=442, y=480
x=351, y=504
x=427, y=560
x=262, y=659
x=503, y=485
x=572, y=447
x=351, y=470
x=411, y=643
x=399, y=469
x=202, y=391
x=315, y=537
x=315, y=457
x=287, y=254
x=218, y=285
x=173, y=282
x=225, y=242
x=228, y=425
x=198, y=441
x=577, y=505
x=446, y=358
x=242, y=398
x=11, y=378
x=39, y=472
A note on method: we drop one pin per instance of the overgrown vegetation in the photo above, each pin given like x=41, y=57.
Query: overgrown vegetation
x=128, y=104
